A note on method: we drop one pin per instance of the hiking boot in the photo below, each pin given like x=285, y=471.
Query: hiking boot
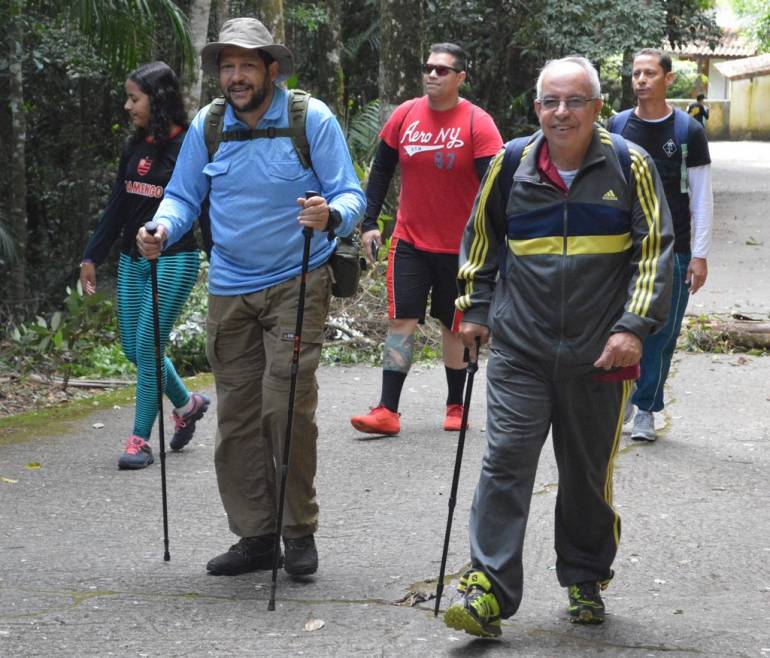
x=644, y=426
x=249, y=554
x=478, y=611
x=453, y=421
x=379, y=420
x=137, y=454
x=301, y=556
x=585, y=604
x=185, y=426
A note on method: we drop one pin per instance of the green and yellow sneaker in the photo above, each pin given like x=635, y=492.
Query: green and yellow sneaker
x=585, y=604
x=478, y=611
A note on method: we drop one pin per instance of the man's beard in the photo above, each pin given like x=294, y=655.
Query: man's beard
x=257, y=99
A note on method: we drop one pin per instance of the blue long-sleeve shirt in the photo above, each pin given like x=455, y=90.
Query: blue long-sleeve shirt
x=253, y=187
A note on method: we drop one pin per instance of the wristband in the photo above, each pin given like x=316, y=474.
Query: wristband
x=333, y=223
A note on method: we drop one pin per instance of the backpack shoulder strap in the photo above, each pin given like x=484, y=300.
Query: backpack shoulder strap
x=514, y=150
x=681, y=126
x=681, y=130
x=298, y=102
x=212, y=129
x=624, y=157
x=617, y=123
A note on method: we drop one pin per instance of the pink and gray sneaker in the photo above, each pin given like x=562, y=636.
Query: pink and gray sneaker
x=137, y=454
x=185, y=425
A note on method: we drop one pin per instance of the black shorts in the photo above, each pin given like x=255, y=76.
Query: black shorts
x=412, y=275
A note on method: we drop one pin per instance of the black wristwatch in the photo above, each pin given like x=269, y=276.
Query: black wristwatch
x=333, y=223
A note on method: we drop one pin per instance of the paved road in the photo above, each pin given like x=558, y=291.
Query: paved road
x=739, y=262
x=82, y=574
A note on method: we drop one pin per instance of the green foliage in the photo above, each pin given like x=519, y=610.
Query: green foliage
x=362, y=129
x=63, y=342
x=306, y=15
x=757, y=15
x=125, y=29
x=187, y=341
x=596, y=29
x=687, y=80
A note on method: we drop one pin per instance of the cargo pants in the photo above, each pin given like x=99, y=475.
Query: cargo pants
x=250, y=347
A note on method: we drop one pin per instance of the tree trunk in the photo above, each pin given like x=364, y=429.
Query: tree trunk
x=199, y=26
x=627, y=96
x=222, y=9
x=17, y=176
x=750, y=334
x=271, y=14
x=400, y=75
x=330, y=82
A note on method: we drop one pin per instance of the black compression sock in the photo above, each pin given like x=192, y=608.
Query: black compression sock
x=392, y=383
x=455, y=380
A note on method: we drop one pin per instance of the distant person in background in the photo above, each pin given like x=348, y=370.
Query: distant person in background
x=699, y=110
x=149, y=156
x=442, y=144
x=678, y=146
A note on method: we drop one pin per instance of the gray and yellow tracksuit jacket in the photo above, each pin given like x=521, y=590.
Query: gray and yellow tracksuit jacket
x=553, y=274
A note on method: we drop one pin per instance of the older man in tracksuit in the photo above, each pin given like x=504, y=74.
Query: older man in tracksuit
x=582, y=243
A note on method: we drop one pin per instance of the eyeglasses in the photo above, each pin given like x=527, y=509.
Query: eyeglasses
x=573, y=103
x=440, y=69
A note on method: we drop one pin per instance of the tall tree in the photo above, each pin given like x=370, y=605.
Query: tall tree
x=17, y=212
x=401, y=52
x=270, y=12
x=330, y=80
x=200, y=11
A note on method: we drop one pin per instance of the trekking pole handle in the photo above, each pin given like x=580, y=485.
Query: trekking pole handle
x=309, y=195
x=151, y=227
x=467, y=355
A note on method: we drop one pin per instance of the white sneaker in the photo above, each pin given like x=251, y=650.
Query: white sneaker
x=644, y=426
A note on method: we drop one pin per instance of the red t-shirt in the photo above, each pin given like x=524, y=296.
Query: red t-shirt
x=436, y=151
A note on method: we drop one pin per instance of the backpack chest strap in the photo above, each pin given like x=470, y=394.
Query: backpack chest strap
x=257, y=133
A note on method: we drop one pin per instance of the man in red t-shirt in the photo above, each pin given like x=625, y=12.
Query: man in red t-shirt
x=443, y=144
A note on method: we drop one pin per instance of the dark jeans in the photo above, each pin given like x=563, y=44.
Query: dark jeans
x=659, y=348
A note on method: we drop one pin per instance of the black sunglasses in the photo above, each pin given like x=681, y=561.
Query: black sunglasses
x=440, y=69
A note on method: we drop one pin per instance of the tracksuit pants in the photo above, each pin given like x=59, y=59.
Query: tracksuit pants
x=585, y=416
x=250, y=347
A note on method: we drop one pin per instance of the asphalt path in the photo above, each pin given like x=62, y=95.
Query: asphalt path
x=81, y=547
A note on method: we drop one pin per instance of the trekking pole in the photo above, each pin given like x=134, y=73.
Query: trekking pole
x=307, y=232
x=151, y=227
x=473, y=366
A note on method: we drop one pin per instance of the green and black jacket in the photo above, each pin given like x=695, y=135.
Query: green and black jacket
x=553, y=274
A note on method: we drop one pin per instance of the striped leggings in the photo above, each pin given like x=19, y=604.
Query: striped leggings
x=176, y=276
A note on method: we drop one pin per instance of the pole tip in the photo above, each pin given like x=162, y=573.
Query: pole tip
x=167, y=556
x=271, y=606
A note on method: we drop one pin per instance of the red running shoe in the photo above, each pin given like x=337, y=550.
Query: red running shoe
x=454, y=418
x=379, y=420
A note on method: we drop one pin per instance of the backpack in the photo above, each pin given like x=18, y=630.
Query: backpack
x=681, y=129
x=345, y=261
x=298, y=102
x=514, y=151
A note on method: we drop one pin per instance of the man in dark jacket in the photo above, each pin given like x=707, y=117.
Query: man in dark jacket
x=582, y=244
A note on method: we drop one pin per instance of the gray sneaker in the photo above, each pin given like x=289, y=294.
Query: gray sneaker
x=644, y=426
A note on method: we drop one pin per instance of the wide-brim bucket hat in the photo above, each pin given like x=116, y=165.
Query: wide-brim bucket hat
x=246, y=33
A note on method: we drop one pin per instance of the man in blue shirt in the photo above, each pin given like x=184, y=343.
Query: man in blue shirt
x=255, y=188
